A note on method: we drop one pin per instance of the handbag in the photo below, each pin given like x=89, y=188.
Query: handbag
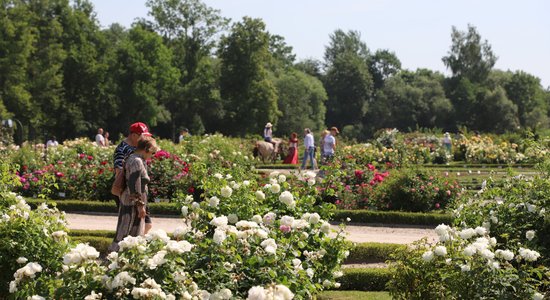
x=119, y=184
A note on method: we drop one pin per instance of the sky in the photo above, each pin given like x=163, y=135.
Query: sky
x=417, y=31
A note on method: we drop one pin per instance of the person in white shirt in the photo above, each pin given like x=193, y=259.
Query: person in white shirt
x=329, y=144
x=309, y=152
x=447, y=142
x=52, y=142
x=183, y=134
x=99, y=139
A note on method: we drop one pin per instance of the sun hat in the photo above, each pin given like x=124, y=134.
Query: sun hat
x=334, y=129
x=268, y=124
x=140, y=128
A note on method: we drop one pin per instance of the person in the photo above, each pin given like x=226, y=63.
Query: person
x=124, y=149
x=133, y=200
x=52, y=142
x=183, y=134
x=447, y=142
x=106, y=138
x=309, y=149
x=268, y=132
x=99, y=139
x=323, y=135
x=292, y=157
x=329, y=144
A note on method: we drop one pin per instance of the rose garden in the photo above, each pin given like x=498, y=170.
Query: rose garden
x=257, y=231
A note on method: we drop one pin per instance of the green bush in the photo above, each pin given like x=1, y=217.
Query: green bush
x=101, y=244
x=373, y=252
x=365, y=279
x=392, y=217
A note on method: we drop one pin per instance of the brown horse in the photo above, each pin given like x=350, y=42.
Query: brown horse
x=269, y=151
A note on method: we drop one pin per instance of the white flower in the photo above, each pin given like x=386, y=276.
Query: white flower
x=36, y=297
x=338, y=274
x=282, y=178
x=214, y=201
x=269, y=246
x=246, y=182
x=465, y=268
x=442, y=229
x=218, y=175
x=505, y=254
x=440, y=250
x=470, y=250
x=325, y=227
x=180, y=231
x=228, y=176
x=232, y=218
x=269, y=218
x=310, y=272
x=494, y=265
x=282, y=292
x=337, y=285
x=257, y=293
x=314, y=218
x=467, y=233
x=184, y=211
x=257, y=218
x=59, y=234
x=260, y=195
x=226, y=192
x=311, y=182
x=93, y=296
x=428, y=256
x=121, y=279
x=131, y=242
x=195, y=205
x=538, y=296
x=189, y=199
x=327, y=283
x=287, y=220
x=494, y=220
x=529, y=255
x=287, y=198
x=22, y=260
x=275, y=188
x=79, y=254
x=481, y=230
x=179, y=246
x=156, y=260
x=219, y=236
x=274, y=174
x=530, y=234
x=219, y=221
x=157, y=235
x=486, y=253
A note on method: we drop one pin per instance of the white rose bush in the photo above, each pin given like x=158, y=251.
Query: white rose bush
x=495, y=250
x=242, y=240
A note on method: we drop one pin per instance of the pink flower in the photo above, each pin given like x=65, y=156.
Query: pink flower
x=285, y=228
x=22, y=179
x=90, y=157
x=448, y=193
x=59, y=174
x=371, y=167
x=436, y=189
x=82, y=155
x=26, y=186
x=437, y=205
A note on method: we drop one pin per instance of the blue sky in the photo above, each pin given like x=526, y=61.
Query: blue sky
x=417, y=31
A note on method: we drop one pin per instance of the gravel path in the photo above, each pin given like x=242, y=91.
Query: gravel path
x=355, y=233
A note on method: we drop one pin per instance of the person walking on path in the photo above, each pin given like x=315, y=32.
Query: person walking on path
x=329, y=144
x=133, y=200
x=137, y=131
x=292, y=157
x=99, y=139
x=309, y=151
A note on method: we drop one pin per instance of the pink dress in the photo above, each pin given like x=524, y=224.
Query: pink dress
x=292, y=157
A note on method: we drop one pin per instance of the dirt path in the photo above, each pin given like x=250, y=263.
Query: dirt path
x=355, y=233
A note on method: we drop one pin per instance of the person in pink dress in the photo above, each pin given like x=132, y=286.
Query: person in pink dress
x=292, y=157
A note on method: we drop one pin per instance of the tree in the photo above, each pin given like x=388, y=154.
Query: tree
x=145, y=79
x=496, y=112
x=301, y=102
x=526, y=92
x=349, y=43
x=469, y=57
x=383, y=65
x=311, y=67
x=250, y=96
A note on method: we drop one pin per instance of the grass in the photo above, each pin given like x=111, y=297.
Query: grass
x=353, y=295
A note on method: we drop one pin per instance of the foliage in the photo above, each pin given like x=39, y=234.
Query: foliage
x=365, y=279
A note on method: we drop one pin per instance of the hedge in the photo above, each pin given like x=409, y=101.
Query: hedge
x=93, y=233
x=101, y=244
x=356, y=216
x=393, y=217
x=372, y=252
x=365, y=279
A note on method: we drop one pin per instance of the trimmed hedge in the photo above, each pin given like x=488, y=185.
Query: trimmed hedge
x=365, y=279
x=372, y=252
x=101, y=244
x=171, y=209
x=161, y=208
x=93, y=233
x=393, y=217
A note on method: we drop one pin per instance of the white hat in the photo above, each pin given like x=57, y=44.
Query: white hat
x=268, y=125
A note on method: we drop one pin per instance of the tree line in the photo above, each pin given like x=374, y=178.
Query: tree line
x=62, y=74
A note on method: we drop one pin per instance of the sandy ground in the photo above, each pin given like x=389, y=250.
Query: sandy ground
x=355, y=233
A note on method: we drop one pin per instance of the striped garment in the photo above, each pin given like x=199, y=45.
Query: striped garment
x=121, y=152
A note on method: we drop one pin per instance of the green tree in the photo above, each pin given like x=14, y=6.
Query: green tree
x=497, y=113
x=383, y=65
x=469, y=56
x=301, y=102
x=249, y=94
x=342, y=42
x=526, y=92
x=145, y=78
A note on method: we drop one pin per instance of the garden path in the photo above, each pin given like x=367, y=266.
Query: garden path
x=355, y=233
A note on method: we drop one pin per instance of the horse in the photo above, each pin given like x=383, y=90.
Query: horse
x=269, y=151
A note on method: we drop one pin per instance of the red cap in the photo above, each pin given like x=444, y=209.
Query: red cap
x=140, y=128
